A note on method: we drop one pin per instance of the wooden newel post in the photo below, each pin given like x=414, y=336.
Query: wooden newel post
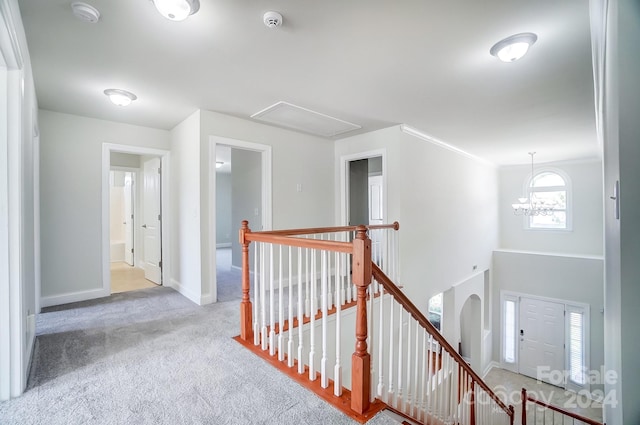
x=246, y=319
x=361, y=360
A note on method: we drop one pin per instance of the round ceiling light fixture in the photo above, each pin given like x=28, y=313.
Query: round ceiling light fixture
x=120, y=97
x=85, y=12
x=514, y=47
x=272, y=19
x=177, y=10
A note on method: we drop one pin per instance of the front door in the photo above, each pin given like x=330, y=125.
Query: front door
x=541, y=337
x=152, y=221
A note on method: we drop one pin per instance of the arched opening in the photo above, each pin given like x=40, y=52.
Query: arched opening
x=471, y=332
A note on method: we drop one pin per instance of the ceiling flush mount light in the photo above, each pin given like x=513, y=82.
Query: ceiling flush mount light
x=120, y=97
x=513, y=48
x=177, y=10
x=85, y=12
x=532, y=206
x=219, y=164
x=272, y=19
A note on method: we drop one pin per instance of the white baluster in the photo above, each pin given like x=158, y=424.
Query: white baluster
x=272, y=311
x=425, y=373
x=290, y=344
x=408, y=401
x=324, y=292
x=280, y=308
x=300, y=315
x=430, y=376
x=337, y=370
x=453, y=396
x=307, y=301
x=380, y=389
x=399, y=395
x=391, y=394
x=329, y=275
x=416, y=371
x=263, y=297
x=312, y=325
x=256, y=294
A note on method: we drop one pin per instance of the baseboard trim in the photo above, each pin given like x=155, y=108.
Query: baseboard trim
x=187, y=293
x=206, y=299
x=490, y=366
x=72, y=297
x=223, y=245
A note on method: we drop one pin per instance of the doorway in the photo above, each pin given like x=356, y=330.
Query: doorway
x=135, y=216
x=363, y=183
x=242, y=191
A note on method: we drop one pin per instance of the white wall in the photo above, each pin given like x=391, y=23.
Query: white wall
x=586, y=192
x=452, y=327
x=296, y=158
x=566, y=278
x=186, y=227
x=19, y=204
x=71, y=183
x=446, y=204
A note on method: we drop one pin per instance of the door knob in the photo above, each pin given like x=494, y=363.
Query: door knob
x=144, y=226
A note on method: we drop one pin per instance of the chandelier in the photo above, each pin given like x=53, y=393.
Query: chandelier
x=531, y=206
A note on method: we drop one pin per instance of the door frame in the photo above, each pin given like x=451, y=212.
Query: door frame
x=267, y=196
x=344, y=182
x=164, y=156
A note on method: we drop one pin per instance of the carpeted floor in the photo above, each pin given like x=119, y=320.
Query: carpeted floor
x=153, y=357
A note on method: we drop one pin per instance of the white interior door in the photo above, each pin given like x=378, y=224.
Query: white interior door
x=152, y=221
x=128, y=218
x=541, y=337
x=375, y=213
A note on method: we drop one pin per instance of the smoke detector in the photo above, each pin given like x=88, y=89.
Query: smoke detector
x=85, y=12
x=272, y=19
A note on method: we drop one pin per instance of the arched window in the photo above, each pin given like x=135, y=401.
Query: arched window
x=551, y=189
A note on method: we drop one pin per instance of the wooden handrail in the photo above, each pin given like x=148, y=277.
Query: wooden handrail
x=525, y=397
x=335, y=246
x=403, y=300
x=316, y=230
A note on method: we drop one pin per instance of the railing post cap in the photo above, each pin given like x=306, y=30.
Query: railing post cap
x=361, y=231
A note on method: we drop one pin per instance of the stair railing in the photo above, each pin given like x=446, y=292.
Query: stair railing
x=303, y=282
x=420, y=374
x=551, y=411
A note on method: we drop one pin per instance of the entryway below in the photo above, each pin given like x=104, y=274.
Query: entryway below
x=126, y=278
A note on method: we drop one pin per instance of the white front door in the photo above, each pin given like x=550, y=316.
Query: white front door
x=128, y=218
x=541, y=337
x=152, y=221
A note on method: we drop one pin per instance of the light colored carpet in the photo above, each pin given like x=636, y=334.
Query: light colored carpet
x=153, y=357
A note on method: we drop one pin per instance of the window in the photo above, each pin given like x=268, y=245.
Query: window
x=510, y=331
x=576, y=353
x=550, y=189
x=435, y=311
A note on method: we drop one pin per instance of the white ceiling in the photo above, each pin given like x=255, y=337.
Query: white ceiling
x=374, y=63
